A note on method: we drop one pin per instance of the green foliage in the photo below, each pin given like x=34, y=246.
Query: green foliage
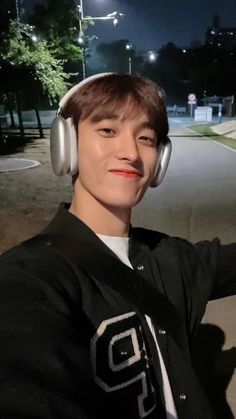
x=20, y=52
x=114, y=56
x=207, y=131
x=58, y=23
x=203, y=129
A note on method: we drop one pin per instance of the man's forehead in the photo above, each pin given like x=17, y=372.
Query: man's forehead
x=118, y=115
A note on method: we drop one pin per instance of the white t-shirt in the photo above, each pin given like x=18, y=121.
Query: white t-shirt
x=120, y=246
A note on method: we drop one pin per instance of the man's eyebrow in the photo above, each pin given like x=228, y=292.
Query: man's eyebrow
x=113, y=117
x=146, y=124
x=98, y=118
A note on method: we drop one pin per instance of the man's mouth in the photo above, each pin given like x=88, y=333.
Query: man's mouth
x=128, y=173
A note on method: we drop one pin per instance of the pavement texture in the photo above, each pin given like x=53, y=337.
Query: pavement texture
x=197, y=200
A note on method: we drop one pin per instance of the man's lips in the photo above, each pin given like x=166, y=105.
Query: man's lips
x=130, y=173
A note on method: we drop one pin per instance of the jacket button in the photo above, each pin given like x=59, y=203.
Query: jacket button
x=182, y=397
x=161, y=332
x=140, y=268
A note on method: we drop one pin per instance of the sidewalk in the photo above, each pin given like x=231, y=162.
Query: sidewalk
x=29, y=198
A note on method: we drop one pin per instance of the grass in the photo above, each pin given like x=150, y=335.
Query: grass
x=206, y=131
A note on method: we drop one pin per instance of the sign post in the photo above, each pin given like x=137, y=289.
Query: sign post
x=192, y=100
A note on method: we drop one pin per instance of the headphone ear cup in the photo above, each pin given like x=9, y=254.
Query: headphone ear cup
x=73, y=146
x=63, y=135
x=162, y=164
x=63, y=146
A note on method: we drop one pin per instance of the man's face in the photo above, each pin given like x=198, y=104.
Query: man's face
x=117, y=158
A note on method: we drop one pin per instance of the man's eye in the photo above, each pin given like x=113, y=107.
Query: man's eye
x=148, y=140
x=106, y=131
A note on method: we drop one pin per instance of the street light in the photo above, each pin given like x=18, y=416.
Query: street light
x=114, y=16
x=152, y=56
x=34, y=38
x=28, y=30
x=129, y=47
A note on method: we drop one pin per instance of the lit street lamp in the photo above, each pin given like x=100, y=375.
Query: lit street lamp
x=152, y=56
x=114, y=16
x=28, y=30
x=130, y=48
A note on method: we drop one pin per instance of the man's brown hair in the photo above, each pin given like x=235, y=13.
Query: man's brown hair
x=115, y=95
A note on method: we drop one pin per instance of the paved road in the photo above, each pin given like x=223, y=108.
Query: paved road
x=197, y=200
x=198, y=196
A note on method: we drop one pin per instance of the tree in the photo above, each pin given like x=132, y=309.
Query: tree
x=172, y=71
x=114, y=56
x=212, y=70
x=58, y=23
x=26, y=64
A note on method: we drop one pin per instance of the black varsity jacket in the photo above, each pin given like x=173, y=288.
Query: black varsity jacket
x=73, y=347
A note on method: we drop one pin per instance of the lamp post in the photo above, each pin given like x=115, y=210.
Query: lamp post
x=17, y=11
x=130, y=48
x=114, y=16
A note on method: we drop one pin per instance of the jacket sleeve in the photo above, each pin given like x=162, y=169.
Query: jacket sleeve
x=211, y=275
x=221, y=262
x=43, y=363
x=193, y=274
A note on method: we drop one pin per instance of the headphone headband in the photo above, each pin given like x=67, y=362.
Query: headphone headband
x=77, y=86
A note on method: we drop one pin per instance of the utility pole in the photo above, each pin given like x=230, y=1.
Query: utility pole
x=17, y=11
x=114, y=16
x=130, y=65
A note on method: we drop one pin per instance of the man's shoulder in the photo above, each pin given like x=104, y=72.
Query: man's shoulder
x=25, y=250
x=34, y=257
x=33, y=265
x=154, y=238
x=151, y=238
x=180, y=246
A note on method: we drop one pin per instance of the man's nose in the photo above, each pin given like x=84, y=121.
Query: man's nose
x=127, y=147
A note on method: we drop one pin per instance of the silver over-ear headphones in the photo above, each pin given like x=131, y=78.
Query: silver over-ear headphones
x=63, y=141
x=63, y=136
x=163, y=160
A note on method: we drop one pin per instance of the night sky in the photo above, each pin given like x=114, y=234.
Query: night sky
x=149, y=24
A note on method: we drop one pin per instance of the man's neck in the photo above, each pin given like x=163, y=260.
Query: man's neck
x=102, y=219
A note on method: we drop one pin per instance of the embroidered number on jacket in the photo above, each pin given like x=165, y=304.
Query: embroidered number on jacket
x=119, y=358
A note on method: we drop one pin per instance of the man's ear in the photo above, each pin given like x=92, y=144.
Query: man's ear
x=63, y=146
x=164, y=151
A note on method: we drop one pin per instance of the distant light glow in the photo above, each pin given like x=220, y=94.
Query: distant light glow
x=80, y=39
x=128, y=46
x=152, y=56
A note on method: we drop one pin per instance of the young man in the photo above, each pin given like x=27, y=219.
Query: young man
x=97, y=317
